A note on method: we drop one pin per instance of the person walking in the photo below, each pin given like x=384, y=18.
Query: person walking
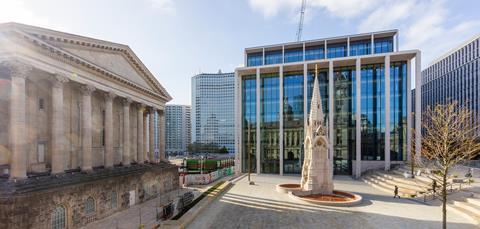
x=395, y=192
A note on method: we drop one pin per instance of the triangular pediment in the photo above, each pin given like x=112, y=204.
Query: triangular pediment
x=111, y=61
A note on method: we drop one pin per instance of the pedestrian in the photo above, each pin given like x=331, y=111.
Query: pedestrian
x=395, y=192
x=434, y=188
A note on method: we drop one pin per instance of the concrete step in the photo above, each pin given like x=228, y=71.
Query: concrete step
x=387, y=187
x=474, y=201
x=471, y=216
x=401, y=184
x=468, y=206
x=403, y=180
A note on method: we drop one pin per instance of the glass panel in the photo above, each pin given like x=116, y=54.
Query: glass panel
x=373, y=112
x=114, y=198
x=344, y=120
x=89, y=205
x=254, y=59
x=273, y=57
x=270, y=108
x=398, y=111
x=58, y=218
x=249, y=116
x=293, y=122
x=360, y=48
x=314, y=53
x=293, y=55
x=337, y=50
x=384, y=45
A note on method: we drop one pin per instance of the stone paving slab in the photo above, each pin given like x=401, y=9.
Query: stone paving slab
x=260, y=206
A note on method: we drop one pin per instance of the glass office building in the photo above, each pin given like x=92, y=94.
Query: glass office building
x=455, y=77
x=365, y=86
x=212, y=117
x=177, y=128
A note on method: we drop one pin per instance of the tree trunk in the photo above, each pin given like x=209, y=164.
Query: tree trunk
x=444, y=199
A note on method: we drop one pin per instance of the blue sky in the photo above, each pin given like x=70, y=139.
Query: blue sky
x=177, y=39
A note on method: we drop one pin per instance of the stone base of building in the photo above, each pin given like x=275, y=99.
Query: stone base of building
x=32, y=202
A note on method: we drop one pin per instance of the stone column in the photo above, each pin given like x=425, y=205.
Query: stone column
x=281, y=136
x=87, y=91
x=387, y=112
x=140, y=143
x=126, y=132
x=151, y=135
x=18, y=125
x=145, y=134
x=358, y=119
x=409, y=110
x=258, y=135
x=58, y=130
x=418, y=106
x=109, y=129
x=305, y=98
x=331, y=110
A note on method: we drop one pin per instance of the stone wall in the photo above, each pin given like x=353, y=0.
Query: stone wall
x=33, y=209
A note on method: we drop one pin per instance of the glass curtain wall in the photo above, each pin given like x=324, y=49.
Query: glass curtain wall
x=336, y=50
x=314, y=53
x=249, y=127
x=373, y=112
x=254, y=59
x=273, y=57
x=358, y=48
x=344, y=120
x=383, y=45
x=398, y=111
x=270, y=123
x=293, y=55
x=293, y=122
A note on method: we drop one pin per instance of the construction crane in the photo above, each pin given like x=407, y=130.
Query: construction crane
x=300, y=23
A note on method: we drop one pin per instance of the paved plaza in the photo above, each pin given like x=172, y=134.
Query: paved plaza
x=260, y=206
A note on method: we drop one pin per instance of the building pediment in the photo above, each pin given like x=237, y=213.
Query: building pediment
x=113, y=59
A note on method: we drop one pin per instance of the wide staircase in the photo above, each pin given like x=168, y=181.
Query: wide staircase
x=464, y=200
x=465, y=203
x=386, y=181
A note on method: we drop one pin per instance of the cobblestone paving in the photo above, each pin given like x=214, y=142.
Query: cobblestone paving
x=260, y=206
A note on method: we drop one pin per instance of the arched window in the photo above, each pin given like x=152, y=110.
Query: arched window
x=113, y=199
x=89, y=206
x=58, y=218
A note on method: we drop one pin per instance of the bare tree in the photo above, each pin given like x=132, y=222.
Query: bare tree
x=448, y=139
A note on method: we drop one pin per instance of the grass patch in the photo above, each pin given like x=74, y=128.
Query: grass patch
x=203, y=195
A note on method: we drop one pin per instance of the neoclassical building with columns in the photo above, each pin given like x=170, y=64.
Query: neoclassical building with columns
x=81, y=129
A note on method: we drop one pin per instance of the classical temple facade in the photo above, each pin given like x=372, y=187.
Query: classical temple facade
x=81, y=129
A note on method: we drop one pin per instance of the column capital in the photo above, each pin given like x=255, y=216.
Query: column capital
x=17, y=68
x=87, y=89
x=141, y=107
x=58, y=80
x=110, y=95
x=127, y=101
x=152, y=110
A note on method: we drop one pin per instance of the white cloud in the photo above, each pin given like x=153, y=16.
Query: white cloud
x=18, y=11
x=338, y=8
x=166, y=6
